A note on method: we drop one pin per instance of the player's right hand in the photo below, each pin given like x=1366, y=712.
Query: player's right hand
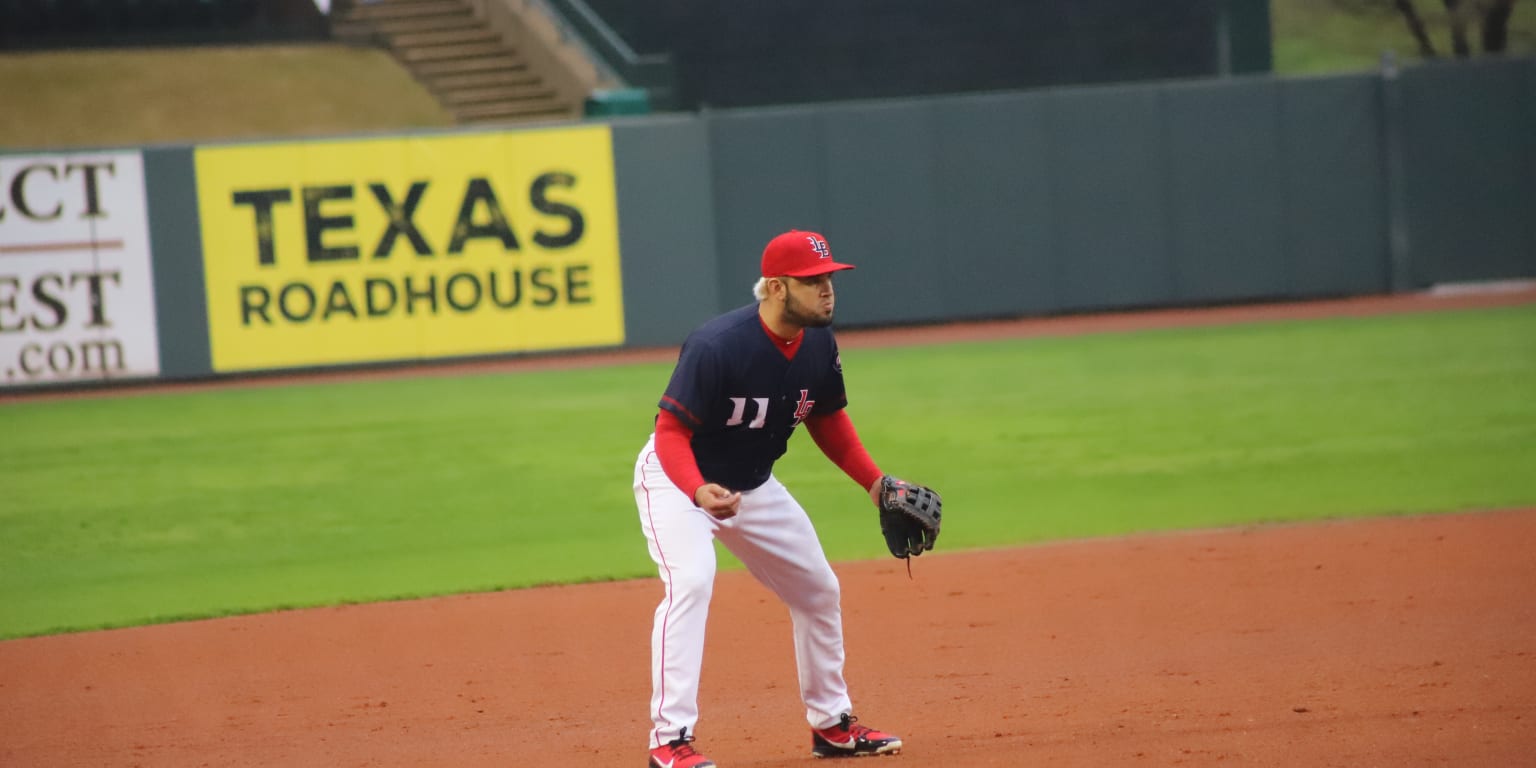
x=717, y=500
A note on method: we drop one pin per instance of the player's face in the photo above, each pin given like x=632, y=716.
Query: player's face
x=808, y=301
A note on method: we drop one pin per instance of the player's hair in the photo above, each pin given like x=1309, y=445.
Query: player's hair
x=760, y=288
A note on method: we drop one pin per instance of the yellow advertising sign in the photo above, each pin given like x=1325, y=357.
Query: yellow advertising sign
x=320, y=253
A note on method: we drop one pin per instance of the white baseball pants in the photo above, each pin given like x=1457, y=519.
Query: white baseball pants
x=774, y=539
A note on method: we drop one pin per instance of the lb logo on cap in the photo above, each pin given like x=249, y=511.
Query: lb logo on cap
x=798, y=253
x=819, y=246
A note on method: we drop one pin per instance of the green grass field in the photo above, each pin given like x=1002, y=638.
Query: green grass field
x=126, y=510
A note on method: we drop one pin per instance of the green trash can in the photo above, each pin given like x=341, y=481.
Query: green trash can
x=618, y=101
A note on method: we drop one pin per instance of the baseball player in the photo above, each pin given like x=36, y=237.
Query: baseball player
x=743, y=382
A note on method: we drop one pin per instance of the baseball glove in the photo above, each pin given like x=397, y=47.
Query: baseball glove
x=909, y=516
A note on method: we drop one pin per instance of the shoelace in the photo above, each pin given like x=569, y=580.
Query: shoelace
x=682, y=746
x=854, y=729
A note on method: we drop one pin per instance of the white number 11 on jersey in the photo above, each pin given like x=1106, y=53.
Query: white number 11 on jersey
x=741, y=408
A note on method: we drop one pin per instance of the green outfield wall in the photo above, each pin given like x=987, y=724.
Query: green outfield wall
x=191, y=262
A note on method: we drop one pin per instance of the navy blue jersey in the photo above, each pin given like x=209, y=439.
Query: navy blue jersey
x=743, y=399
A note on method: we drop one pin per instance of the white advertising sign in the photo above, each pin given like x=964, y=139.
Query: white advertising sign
x=77, y=298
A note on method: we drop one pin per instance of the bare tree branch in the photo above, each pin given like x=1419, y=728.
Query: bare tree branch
x=1495, y=25
x=1416, y=26
x=1456, y=13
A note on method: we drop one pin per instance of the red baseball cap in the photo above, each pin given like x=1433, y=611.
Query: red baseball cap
x=799, y=254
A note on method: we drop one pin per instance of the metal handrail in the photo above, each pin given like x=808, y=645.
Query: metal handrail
x=653, y=72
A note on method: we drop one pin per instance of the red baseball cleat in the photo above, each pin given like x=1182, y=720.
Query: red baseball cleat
x=849, y=739
x=678, y=753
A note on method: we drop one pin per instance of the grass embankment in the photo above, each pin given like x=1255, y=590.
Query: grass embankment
x=144, y=508
x=94, y=98
x=1326, y=36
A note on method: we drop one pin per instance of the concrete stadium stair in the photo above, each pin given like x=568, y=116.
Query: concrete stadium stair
x=466, y=63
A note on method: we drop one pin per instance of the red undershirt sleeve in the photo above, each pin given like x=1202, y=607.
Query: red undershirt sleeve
x=835, y=436
x=674, y=447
